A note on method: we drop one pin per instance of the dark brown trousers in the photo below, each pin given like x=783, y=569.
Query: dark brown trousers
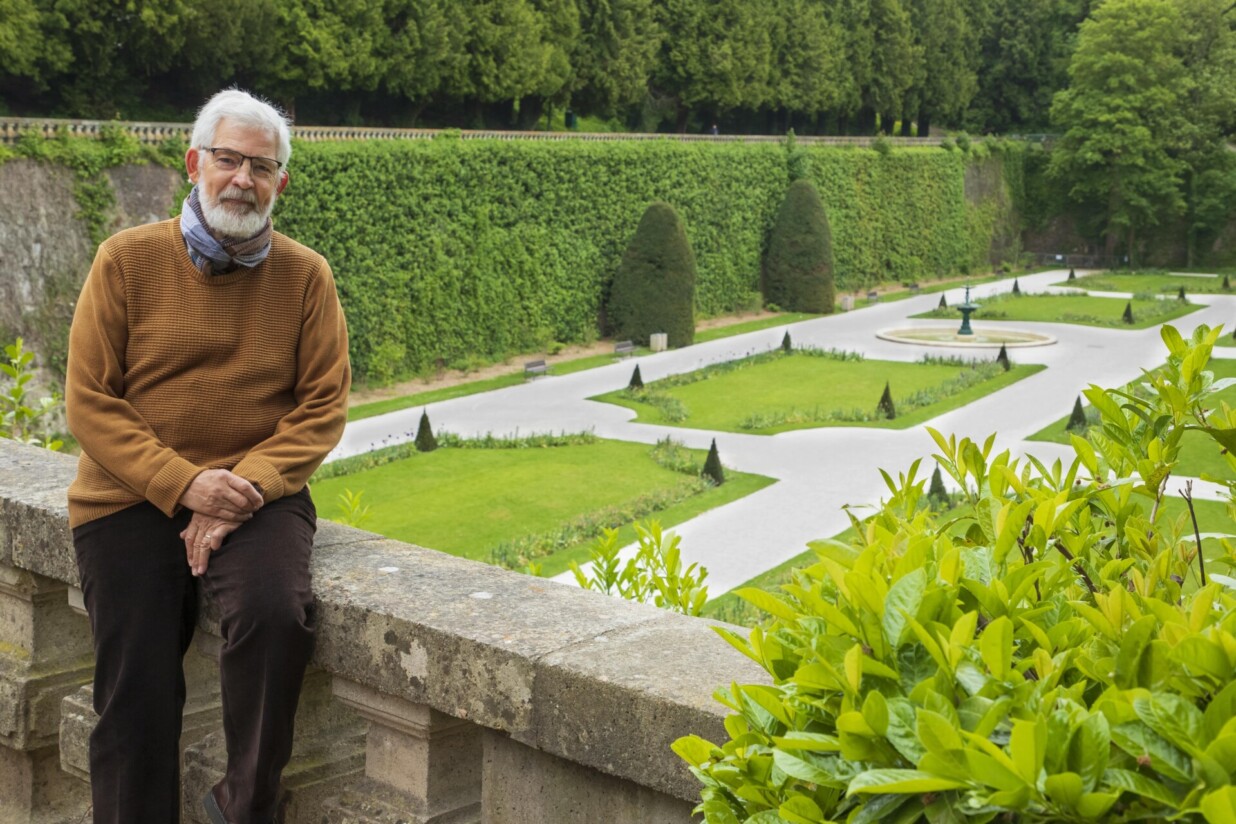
x=142, y=602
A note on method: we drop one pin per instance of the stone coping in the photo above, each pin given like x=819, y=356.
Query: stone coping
x=588, y=678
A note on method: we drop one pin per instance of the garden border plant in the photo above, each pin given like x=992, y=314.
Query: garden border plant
x=1053, y=651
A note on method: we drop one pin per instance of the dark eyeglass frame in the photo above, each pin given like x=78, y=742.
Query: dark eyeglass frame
x=243, y=157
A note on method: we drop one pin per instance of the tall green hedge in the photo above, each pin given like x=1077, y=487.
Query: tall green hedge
x=798, y=268
x=449, y=250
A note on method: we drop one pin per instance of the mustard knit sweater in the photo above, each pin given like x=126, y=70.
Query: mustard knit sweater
x=172, y=372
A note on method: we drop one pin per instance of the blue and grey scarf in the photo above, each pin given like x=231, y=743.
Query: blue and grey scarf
x=212, y=254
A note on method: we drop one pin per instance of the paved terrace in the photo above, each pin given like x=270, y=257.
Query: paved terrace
x=818, y=470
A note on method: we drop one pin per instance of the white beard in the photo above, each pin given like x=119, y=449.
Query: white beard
x=234, y=224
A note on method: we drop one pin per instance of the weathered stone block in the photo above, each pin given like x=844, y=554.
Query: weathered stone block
x=34, y=790
x=522, y=785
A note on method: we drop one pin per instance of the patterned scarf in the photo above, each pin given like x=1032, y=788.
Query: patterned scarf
x=218, y=255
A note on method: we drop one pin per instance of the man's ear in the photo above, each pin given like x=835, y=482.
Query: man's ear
x=192, y=161
x=284, y=177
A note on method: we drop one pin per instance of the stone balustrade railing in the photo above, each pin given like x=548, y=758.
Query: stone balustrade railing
x=12, y=127
x=442, y=690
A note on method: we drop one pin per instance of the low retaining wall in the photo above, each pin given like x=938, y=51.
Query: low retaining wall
x=442, y=689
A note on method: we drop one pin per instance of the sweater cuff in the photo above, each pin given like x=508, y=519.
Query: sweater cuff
x=260, y=471
x=170, y=483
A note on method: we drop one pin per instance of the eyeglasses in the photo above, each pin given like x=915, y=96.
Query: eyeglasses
x=262, y=168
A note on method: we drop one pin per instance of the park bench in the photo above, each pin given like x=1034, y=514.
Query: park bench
x=624, y=348
x=535, y=367
x=873, y=297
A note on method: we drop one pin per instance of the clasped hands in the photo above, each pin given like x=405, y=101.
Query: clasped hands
x=220, y=501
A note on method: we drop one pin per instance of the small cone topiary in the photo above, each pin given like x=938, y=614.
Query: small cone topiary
x=1072, y=274
x=885, y=406
x=943, y=304
x=1181, y=294
x=425, y=441
x=936, y=492
x=712, y=465
x=787, y=345
x=654, y=287
x=1016, y=287
x=637, y=380
x=1077, y=420
x=797, y=271
x=1003, y=358
x=1127, y=317
x=1227, y=284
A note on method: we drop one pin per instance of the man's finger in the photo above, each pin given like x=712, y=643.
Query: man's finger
x=251, y=496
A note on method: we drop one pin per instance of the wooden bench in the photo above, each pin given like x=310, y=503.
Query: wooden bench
x=535, y=367
x=624, y=348
x=873, y=297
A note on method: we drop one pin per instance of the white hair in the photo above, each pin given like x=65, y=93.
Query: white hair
x=246, y=109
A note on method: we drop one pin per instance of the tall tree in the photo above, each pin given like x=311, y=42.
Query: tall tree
x=808, y=51
x=947, y=73
x=1209, y=56
x=716, y=55
x=895, y=61
x=423, y=47
x=614, y=55
x=1123, y=117
x=1025, y=48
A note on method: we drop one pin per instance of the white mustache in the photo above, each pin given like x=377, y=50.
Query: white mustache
x=237, y=193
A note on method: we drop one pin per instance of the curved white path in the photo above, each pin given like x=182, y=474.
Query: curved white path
x=818, y=470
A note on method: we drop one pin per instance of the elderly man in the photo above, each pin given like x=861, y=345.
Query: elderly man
x=207, y=379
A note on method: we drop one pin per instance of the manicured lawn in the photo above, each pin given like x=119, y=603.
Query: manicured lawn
x=1198, y=453
x=1226, y=340
x=467, y=501
x=1080, y=309
x=719, y=332
x=1143, y=282
x=813, y=386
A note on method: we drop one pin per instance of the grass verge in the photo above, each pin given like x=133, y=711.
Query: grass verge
x=1164, y=283
x=1079, y=309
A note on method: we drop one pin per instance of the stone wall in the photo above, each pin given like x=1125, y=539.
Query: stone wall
x=442, y=689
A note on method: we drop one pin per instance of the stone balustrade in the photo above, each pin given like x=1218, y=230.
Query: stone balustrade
x=12, y=127
x=442, y=690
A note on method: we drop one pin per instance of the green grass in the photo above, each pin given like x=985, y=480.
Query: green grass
x=752, y=326
x=801, y=382
x=1226, y=340
x=1145, y=282
x=467, y=501
x=1199, y=454
x=1079, y=309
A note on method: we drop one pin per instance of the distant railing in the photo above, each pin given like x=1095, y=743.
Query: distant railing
x=152, y=132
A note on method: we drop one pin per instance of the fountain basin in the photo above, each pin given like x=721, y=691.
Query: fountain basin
x=984, y=336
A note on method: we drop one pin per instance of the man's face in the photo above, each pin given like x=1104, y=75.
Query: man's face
x=236, y=201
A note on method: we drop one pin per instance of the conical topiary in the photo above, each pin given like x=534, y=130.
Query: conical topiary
x=1078, y=419
x=712, y=465
x=654, y=288
x=936, y=491
x=1072, y=274
x=1127, y=317
x=943, y=304
x=1003, y=358
x=637, y=380
x=425, y=441
x=798, y=266
x=1227, y=284
x=787, y=345
x=885, y=406
x=1181, y=294
x=1016, y=287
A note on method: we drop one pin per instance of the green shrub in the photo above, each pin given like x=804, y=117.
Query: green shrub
x=885, y=408
x=654, y=575
x=22, y=418
x=637, y=380
x=713, y=470
x=1077, y=418
x=1002, y=358
x=787, y=344
x=654, y=288
x=1127, y=317
x=798, y=268
x=1049, y=651
x=1016, y=287
x=425, y=441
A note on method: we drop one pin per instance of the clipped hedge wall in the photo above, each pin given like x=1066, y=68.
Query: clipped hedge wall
x=448, y=251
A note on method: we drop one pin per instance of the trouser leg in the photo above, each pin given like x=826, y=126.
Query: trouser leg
x=260, y=581
x=140, y=597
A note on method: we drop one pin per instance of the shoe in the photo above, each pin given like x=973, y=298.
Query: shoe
x=212, y=809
